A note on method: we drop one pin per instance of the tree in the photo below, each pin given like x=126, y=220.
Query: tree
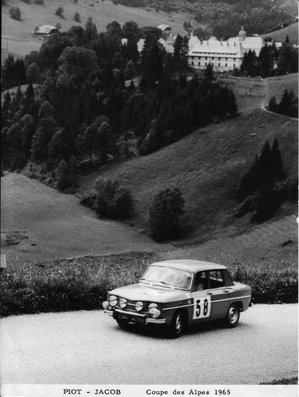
x=90, y=33
x=114, y=29
x=77, y=17
x=46, y=129
x=209, y=73
x=164, y=215
x=180, y=53
x=112, y=200
x=15, y=13
x=33, y=73
x=130, y=71
x=131, y=31
x=75, y=66
x=152, y=63
x=272, y=105
x=64, y=180
x=276, y=161
x=59, y=12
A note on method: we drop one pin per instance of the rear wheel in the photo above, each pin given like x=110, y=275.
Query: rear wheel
x=233, y=316
x=177, y=325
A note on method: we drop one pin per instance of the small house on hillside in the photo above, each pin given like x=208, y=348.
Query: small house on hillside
x=44, y=31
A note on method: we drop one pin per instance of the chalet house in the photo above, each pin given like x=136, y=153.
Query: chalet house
x=44, y=31
x=223, y=55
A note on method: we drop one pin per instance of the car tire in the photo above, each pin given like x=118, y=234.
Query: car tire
x=177, y=324
x=233, y=316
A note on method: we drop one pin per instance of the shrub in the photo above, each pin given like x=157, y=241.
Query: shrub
x=59, y=12
x=79, y=284
x=112, y=200
x=164, y=215
x=83, y=283
x=269, y=286
x=39, y=2
x=15, y=13
x=58, y=25
x=77, y=17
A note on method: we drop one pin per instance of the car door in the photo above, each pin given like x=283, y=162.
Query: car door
x=201, y=298
x=220, y=294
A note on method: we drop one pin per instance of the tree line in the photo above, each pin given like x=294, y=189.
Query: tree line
x=87, y=97
x=271, y=61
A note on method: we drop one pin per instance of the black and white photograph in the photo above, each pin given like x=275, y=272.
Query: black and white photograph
x=149, y=198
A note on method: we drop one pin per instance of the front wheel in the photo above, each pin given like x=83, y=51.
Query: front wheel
x=233, y=316
x=177, y=325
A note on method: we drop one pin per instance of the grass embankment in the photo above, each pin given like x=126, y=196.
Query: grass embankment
x=82, y=283
x=206, y=166
x=283, y=381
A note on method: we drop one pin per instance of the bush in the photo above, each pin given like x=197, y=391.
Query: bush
x=59, y=12
x=79, y=284
x=164, y=215
x=77, y=17
x=15, y=13
x=269, y=286
x=83, y=283
x=39, y=2
x=112, y=200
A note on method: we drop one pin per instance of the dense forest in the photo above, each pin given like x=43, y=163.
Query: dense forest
x=95, y=90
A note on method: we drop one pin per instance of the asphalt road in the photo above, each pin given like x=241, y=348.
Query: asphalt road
x=90, y=348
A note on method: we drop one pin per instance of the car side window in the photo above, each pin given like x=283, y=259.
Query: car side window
x=200, y=281
x=216, y=279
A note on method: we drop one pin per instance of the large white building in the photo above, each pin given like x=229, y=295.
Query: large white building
x=223, y=55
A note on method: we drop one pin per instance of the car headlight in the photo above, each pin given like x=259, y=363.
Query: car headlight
x=123, y=303
x=113, y=300
x=154, y=310
x=139, y=306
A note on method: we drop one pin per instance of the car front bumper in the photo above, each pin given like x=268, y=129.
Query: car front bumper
x=134, y=317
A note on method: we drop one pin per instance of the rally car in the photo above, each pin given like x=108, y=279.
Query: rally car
x=176, y=293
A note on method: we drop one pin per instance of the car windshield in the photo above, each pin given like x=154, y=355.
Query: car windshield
x=174, y=278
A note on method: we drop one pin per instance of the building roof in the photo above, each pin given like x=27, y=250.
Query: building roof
x=45, y=29
x=253, y=43
x=213, y=46
x=190, y=265
x=164, y=27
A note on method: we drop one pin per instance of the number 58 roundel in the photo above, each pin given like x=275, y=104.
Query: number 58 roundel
x=202, y=307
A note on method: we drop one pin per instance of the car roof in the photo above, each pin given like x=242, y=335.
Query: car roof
x=190, y=265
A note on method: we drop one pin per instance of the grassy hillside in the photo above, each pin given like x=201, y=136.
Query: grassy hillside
x=38, y=224
x=17, y=35
x=277, y=85
x=280, y=35
x=206, y=166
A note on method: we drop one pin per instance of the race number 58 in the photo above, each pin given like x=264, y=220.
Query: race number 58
x=202, y=307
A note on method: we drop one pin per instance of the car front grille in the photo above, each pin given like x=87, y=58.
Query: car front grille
x=131, y=307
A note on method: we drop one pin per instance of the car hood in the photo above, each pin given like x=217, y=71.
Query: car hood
x=141, y=292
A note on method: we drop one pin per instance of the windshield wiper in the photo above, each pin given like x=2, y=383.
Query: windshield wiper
x=165, y=283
